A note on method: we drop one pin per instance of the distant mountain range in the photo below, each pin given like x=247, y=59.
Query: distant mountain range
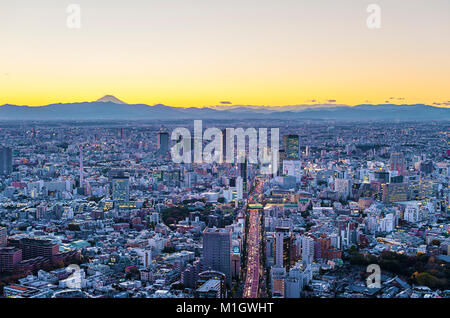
x=111, y=108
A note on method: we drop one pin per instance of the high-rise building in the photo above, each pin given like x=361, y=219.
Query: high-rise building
x=397, y=163
x=291, y=144
x=224, y=145
x=3, y=236
x=382, y=176
x=243, y=170
x=307, y=249
x=217, y=251
x=121, y=189
x=239, y=188
x=281, y=159
x=236, y=263
x=163, y=142
x=5, y=160
x=395, y=192
x=284, y=248
x=279, y=249
x=428, y=188
x=81, y=168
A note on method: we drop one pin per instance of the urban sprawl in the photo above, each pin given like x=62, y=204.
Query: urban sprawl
x=100, y=209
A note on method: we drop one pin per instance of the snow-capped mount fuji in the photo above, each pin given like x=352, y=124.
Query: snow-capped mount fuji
x=110, y=99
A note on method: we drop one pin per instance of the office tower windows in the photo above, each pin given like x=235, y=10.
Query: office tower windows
x=394, y=192
x=224, y=145
x=283, y=248
x=397, y=163
x=243, y=170
x=33, y=247
x=277, y=276
x=3, y=236
x=121, y=189
x=9, y=258
x=291, y=144
x=279, y=237
x=163, y=142
x=240, y=188
x=5, y=160
x=217, y=251
x=307, y=250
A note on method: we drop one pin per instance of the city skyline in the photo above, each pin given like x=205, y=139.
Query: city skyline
x=355, y=210
x=225, y=156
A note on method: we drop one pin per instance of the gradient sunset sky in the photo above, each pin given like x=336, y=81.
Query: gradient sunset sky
x=248, y=52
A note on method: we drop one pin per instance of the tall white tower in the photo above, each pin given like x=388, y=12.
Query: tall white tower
x=240, y=188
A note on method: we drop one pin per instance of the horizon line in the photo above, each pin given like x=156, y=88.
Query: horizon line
x=234, y=105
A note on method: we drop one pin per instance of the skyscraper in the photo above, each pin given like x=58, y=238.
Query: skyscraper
x=5, y=160
x=217, y=251
x=397, y=163
x=283, y=248
x=121, y=189
x=240, y=188
x=243, y=170
x=224, y=145
x=279, y=237
x=394, y=192
x=307, y=249
x=81, y=168
x=3, y=237
x=291, y=144
x=163, y=142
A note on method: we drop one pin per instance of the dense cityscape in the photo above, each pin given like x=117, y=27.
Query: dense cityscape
x=100, y=210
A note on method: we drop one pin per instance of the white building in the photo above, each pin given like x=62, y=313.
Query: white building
x=412, y=213
x=292, y=168
x=307, y=249
x=240, y=188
